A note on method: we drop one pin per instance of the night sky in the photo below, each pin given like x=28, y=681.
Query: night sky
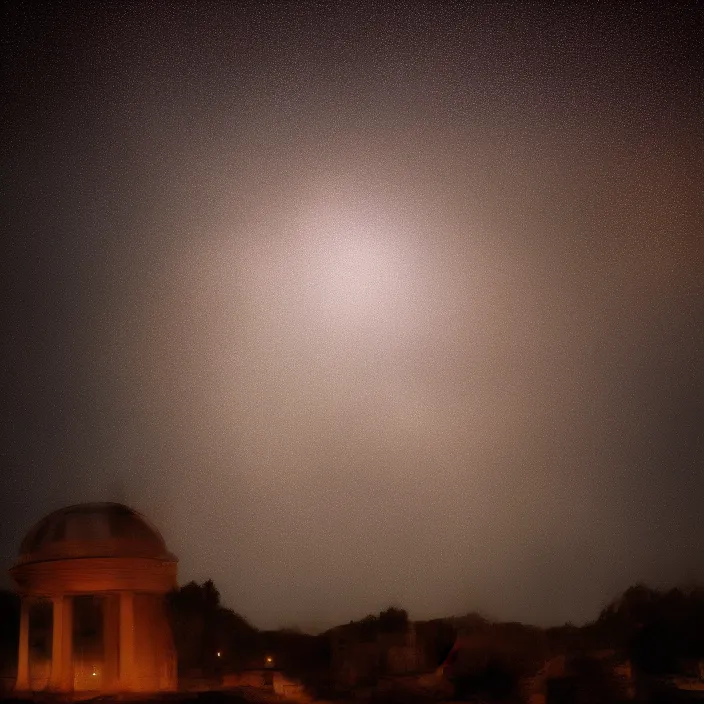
x=361, y=304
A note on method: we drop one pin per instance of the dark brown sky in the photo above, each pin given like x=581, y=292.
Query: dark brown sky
x=362, y=304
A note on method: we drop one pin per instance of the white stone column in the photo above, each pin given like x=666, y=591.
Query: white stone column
x=127, y=673
x=22, y=683
x=111, y=642
x=61, y=678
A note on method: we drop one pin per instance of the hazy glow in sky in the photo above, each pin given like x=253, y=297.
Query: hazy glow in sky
x=362, y=306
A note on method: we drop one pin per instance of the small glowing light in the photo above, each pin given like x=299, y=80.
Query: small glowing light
x=94, y=673
x=218, y=653
x=269, y=659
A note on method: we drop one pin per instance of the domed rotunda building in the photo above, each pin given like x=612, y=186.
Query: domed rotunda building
x=92, y=579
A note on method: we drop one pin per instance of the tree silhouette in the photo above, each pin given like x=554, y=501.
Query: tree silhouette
x=393, y=620
x=207, y=635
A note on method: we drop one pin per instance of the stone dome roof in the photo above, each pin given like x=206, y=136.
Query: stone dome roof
x=93, y=530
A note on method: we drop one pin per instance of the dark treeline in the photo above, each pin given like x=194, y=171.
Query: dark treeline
x=659, y=631
x=208, y=635
x=212, y=639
